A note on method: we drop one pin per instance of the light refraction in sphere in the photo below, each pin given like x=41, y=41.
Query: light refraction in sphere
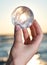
x=22, y=16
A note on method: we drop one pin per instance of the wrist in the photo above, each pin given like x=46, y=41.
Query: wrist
x=18, y=62
x=15, y=62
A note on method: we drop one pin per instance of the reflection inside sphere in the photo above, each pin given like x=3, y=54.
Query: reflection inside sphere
x=22, y=16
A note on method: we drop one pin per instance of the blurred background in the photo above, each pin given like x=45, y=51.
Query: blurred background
x=39, y=8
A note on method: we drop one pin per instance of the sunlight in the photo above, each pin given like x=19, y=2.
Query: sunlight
x=35, y=60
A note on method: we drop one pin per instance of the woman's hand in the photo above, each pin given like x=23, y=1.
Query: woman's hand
x=21, y=52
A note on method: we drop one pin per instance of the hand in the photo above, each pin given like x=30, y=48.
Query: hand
x=21, y=52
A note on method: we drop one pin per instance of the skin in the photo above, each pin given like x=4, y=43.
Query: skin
x=21, y=52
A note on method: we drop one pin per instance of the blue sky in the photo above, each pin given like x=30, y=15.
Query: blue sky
x=39, y=8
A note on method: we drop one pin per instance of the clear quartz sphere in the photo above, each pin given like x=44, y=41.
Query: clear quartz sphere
x=22, y=16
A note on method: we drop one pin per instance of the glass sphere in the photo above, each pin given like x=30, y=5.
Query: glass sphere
x=22, y=16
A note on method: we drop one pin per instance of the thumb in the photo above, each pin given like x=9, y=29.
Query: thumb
x=18, y=35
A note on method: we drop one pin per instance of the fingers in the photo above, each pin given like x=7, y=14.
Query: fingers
x=17, y=35
x=25, y=33
x=37, y=37
x=37, y=28
x=36, y=32
x=33, y=31
x=26, y=36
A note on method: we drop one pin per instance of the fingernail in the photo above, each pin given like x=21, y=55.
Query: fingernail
x=17, y=27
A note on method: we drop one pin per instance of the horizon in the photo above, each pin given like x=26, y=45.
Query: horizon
x=39, y=8
x=13, y=34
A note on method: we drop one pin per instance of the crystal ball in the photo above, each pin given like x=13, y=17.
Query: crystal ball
x=22, y=16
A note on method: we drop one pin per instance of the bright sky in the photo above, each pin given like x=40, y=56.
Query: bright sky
x=39, y=8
